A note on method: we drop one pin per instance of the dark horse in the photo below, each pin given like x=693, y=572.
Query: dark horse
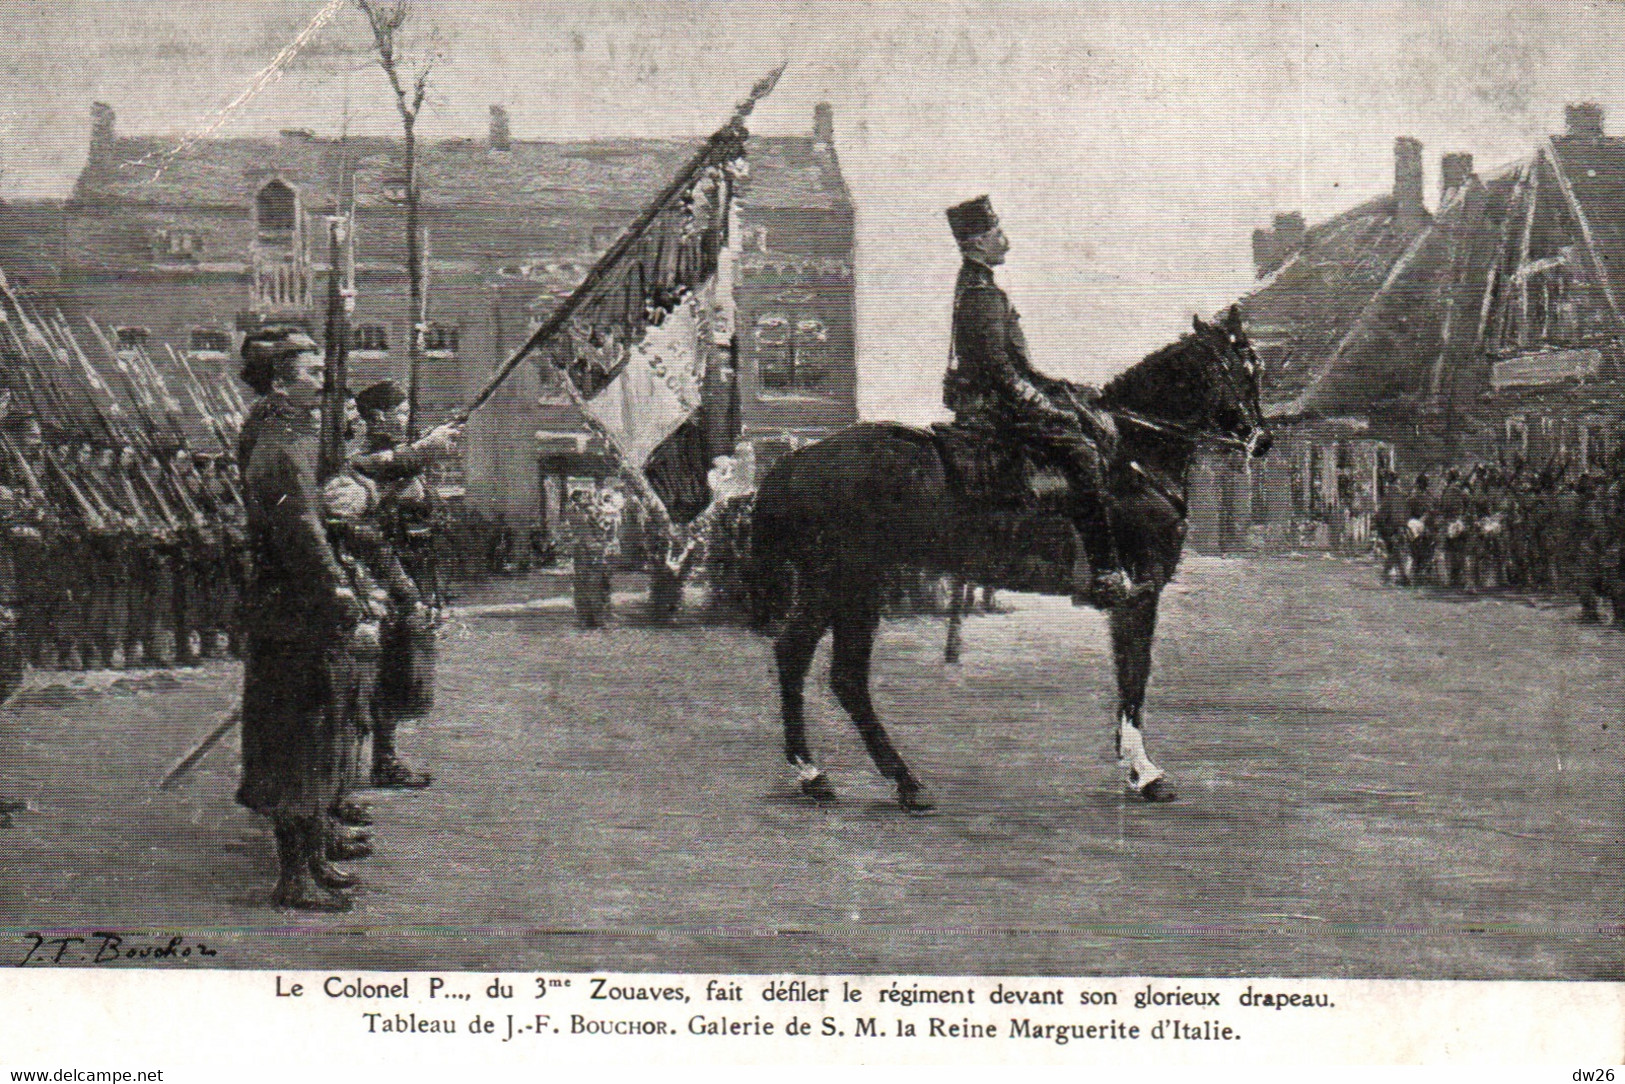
x=833, y=518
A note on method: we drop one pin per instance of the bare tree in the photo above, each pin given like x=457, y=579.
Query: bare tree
x=389, y=22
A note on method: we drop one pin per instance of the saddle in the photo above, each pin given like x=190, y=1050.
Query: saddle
x=991, y=472
x=1012, y=510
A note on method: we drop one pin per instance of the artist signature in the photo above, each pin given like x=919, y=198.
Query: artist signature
x=105, y=947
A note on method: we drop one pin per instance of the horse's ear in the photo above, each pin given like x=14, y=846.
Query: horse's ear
x=1232, y=319
x=1196, y=322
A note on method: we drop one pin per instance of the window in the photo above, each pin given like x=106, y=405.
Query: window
x=394, y=189
x=131, y=338
x=440, y=339
x=210, y=340
x=277, y=208
x=369, y=337
x=1517, y=434
x=176, y=244
x=790, y=352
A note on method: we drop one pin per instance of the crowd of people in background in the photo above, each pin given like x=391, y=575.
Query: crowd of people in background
x=1547, y=529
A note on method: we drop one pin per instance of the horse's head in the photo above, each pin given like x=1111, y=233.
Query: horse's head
x=1230, y=384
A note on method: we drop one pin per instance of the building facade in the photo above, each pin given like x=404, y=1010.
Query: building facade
x=191, y=249
x=1487, y=330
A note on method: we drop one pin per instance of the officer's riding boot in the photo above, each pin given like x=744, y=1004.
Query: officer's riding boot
x=1104, y=583
x=387, y=769
x=296, y=837
x=322, y=869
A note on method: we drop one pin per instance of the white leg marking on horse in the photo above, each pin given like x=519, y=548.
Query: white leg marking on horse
x=1131, y=753
x=807, y=771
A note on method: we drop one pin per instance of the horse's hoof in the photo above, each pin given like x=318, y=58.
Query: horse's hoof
x=818, y=788
x=911, y=797
x=1158, y=790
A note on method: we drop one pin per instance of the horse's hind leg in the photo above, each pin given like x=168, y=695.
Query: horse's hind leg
x=962, y=595
x=794, y=650
x=1133, y=625
x=855, y=624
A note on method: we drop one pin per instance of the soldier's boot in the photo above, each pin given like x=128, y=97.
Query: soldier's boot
x=322, y=868
x=387, y=769
x=343, y=844
x=353, y=813
x=295, y=887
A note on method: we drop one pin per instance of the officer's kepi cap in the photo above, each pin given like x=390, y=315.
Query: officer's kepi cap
x=972, y=218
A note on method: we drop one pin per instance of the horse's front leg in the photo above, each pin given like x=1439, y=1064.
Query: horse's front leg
x=1132, y=627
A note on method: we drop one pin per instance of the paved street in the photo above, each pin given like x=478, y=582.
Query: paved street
x=1374, y=783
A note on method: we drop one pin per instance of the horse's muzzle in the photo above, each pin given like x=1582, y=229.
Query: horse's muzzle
x=1259, y=443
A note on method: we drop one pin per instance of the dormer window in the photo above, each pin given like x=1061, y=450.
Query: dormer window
x=394, y=189
x=132, y=338
x=276, y=209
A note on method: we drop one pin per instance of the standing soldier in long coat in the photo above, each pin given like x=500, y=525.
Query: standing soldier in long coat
x=407, y=651
x=991, y=384
x=300, y=613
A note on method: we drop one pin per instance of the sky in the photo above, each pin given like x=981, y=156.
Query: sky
x=1131, y=148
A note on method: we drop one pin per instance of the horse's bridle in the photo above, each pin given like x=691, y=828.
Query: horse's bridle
x=1190, y=434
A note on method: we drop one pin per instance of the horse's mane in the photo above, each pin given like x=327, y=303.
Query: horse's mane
x=1150, y=374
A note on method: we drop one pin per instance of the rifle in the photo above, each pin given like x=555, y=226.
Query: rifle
x=195, y=392
x=146, y=436
x=331, y=456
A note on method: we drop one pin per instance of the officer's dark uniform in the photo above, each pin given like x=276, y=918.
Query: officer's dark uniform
x=991, y=384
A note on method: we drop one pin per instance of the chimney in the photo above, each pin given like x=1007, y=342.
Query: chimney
x=1584, y=120
x=1454, y=169
x=501, y=138
x=1265, y=256
x=1408, y=182
x=824, y=124
x=1289, y=232
x=103, y=124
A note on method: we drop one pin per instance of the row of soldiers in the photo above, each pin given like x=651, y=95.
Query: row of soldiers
x=1545, y=529
x=117, y=557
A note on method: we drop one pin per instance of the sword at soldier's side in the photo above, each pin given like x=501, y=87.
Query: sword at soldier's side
x=194, y=756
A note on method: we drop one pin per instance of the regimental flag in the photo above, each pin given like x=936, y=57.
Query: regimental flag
x=635, y=347
x=629, y=344
x=655, y=385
